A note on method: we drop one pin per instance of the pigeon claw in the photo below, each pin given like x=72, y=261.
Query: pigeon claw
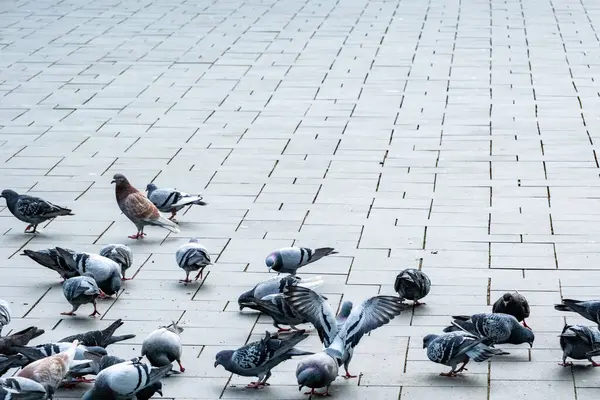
x=313, y=392
x=257, y=385
x=595, y=364
x=567, y=364
x=199, y=275
x=139, y=235
x=349, y=376
x=96, y=312
x=186, y=280
x=70, y=313
x=451, y=374
x=181, y=367
x=126, y=279
x=280, y=330
x=417, y=303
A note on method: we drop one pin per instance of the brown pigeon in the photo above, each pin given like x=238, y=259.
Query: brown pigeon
x=136, y=206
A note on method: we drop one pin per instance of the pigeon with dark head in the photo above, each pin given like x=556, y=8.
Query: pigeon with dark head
x=102, y=338
x=171, y=200
x=579, y=343
x=288, y=260
x=105, y=271
x=499, y=328
x=32, y=210
x=514, y=304
x=275, y=285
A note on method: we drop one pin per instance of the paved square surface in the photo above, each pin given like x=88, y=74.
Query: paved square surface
x=458, y=136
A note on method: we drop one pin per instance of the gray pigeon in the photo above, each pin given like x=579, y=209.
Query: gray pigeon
x=317, y=371
x=105, y=271
x=192, y=256
x=458, y=347
x=120, y=254
x=21, y=389
x=260, y=357
x=412, y=284
x=138, y=208
x=587, y=309
x=5, y=314
x=499, y=328
x=171, y=200
x=340, y=336
x=275, y=285
x=42, y=351
x=277, y=307
x=102, y=338
x=50, y=258
x=163, y=346
x=81, y=290
x=125, y=380
x=32, y=210
x=577, y=342
x=514, y=304
x=288, y=260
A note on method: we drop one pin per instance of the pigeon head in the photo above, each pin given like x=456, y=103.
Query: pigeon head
x=345, y=310
x=151, y=187
x=194, y=240
x=223, y=358
x=173, y=327
x=274, y=261
x=10, y=195
x=522, y=335
x=506, y=298
x=428, y=339
x=246, y=299
x=120, y=180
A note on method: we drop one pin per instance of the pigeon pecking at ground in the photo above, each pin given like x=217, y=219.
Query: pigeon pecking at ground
x=275, y=285
x=412, y=284
x=120, y=254
x=163, y=346
x=81, y=290
x=277, y=307
x=578, y=342
x=589, y=309
x=317, y=371
x=260, y=357
x=514, y=304
x=19, y=388
x=32, y=210
x=171, y=200
x=50, y=258
x=138, y=208
x=458, y=347
x=103, y=338
x=5, y=314
x=499, y=328
x=192, y=256
x=288, y=260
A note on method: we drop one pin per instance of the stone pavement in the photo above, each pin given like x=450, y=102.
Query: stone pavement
x=455, y=136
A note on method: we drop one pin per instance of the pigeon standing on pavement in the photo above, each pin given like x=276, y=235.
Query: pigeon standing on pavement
x=163, y=346
x=577, y=342
x=587, y=309
x=120, y=254
x=32, y=210
x=21, y=389
x=81, y=290
x=317, y=371
x=5, y=314
x=458, y=347
x=105, y=271
x=499, y=328
x=171, y=200
x=192, y=256
x=288, y=260
x=514, y=304
x=275, y=285
x=412, y=284
x=50, y=258
x=102, y=338
x=138, y=208
x=260, y=357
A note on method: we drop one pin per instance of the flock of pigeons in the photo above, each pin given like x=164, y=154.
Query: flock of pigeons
x=287, y=298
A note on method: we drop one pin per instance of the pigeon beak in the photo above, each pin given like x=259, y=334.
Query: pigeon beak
x=300, y=387
x=269, y=269
x=216, y=365
x=530, y=345
x=113, y=181
x=160, y=392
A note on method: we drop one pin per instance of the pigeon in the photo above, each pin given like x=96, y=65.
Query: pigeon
x=138, y=208
x=260, y=357
x=120, y=254
x=21, y=388
x=275, y=285
x=102, y=338
x=50, y=258
x=192, y=256
x=81, y=290
x=288, y=260
x=499, y=328
x=577, y=342
x=163, y=346
x=458, y=347
x=50, y=371
x=412, y=284
x=41, y=351
x=105, y=271
x=12, y=361
x=21, y=338
x=317, y=371
x=171, y=200
x=514, y=304
x=277, y=307
x=32, y=210
x=125, y=380
x=5, y=314
x=587, y=309
x=340, y=336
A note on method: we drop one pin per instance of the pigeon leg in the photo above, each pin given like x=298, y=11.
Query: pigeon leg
x=348, y=376
x=139, y=235
x=123, y=278
x=565, y=364
x=187, y=278
x=255, y=385
x=96, y=312
x=462, y=368
x=451, y=374
x=181, y=368
x=525, y=324
x=84, y=380
x=70, y=313
x=103, y=295
x=594, y=363
x=199, y=274
x=280, y=329
x=417, y=303
x=173, y=214
x=27, y=229
x=324, y=394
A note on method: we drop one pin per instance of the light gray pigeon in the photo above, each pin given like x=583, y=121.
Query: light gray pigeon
x=50, y=258
x=317, y=371
x=138, y=208
x=260, y=357
x=587, y=309
x=192, y=256
x=120, y=254
x=458, y=347
x=412, y=284
x=578, y=342
x=21, y=389
x=275, y=285
x=125, y=381
x=105, y=271
x=514, y=304
x=5, y=314
x=277, y=307
x=499, y=328
x=163, y=346
x=171, y=200
x=103, y=338
x=81, y=290
x=32, y=210
x=288, y=260
x=340, y=336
